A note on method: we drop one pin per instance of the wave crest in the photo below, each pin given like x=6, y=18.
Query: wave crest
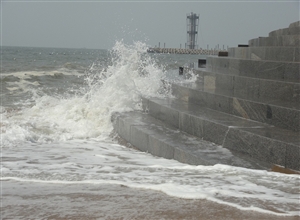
x=114, y=86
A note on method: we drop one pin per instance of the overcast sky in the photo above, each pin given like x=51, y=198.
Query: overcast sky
x=98, y=24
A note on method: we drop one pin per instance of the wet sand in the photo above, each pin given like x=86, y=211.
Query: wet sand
x=27, y=200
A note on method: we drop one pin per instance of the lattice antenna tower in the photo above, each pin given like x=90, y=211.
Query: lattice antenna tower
x=192, y=22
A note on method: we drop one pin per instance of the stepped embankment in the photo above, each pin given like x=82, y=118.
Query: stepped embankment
x=242, y=110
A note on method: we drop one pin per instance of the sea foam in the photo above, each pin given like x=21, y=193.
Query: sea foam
x=94, y=162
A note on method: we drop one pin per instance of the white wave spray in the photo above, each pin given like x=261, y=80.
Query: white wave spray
x=132, y=73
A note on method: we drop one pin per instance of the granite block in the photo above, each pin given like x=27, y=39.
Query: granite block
x=225, y=82
x=138, y=138
x=164, y=113
x=200, y=98
x=155, y=109
x=291, y=72
x=241, y=53
x=186, y=123
x=243, y=67
x=274, y=70
x=209, y=82
x=214, y=132
x=256, y=53
x=158, y=147
x=293, y=157
x=222, y=63
x=249, y=110
x=219, y=102
x=255, y=89
x=197, y=125
x=255, y=146
x=206, y=125
x=171, y=116
x=123, y=128
x=266, y=69
x=233, y=67
x=180, y=92
x=217, y=64
x=278, y=41
x=282, y=54
x=274, y=115
x=295, y=30
x=253, y=139
x=241, y=87
x=294, y=24
x=283, y=71
x=275, y=90
x=272, y=132
x=287, y=54
x=275, y=112
x=285, y=118
x=185, y=155
x=296, y=93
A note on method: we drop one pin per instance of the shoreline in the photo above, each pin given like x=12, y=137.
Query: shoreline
x=91, y=201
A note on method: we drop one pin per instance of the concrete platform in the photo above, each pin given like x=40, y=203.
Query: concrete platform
x=160, y=139
x=178, y=130
x=274, y=70
x=286, y=94
x=292, y=30
x=286, y=54
x=278, y=41
x=280, y=114
x=254, y=139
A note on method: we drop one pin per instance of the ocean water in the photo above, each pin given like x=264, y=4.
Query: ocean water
x=56, y=107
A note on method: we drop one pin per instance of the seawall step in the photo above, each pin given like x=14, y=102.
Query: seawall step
x=254, y=139
x=286, y=94
x=280, y=114
x=293, y=30
x=151, y=135
x=274, y=70
x=287, y=54
x=278, y=41
x=295, y=24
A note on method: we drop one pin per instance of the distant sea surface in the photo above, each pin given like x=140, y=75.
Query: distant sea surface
x=59, y=157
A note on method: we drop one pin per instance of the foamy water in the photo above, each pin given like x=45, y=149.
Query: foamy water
x=95, y=162
x=56, y=127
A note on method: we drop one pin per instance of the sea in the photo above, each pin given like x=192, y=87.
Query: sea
x=60, y=157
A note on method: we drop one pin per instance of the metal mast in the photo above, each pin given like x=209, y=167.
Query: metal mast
x=192, y=21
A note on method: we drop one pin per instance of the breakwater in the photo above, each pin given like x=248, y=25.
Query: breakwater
x=184, y=51
x=246, y=101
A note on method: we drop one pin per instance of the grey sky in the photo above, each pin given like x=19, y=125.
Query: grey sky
x=98, y=24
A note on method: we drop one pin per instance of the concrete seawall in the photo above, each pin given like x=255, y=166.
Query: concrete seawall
x=183, y=51
x=243, y=110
